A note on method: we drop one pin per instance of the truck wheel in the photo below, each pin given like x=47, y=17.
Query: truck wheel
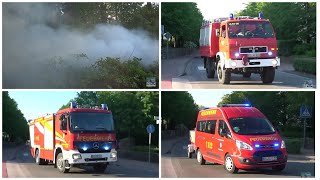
x=100, y=167
x=279, y=168
x=224, y=75
x=200, y=159
x=39, y=161
x=229, y=165
x=61, y=164
x=246, y=74
x=267, y=75
x=210, y=69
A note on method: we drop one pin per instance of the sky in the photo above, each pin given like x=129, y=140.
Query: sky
x=36, y=103
x=216, y=9
x=208, y=98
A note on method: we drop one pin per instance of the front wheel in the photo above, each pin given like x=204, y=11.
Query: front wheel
x=267, y=75
x=100, y=167
x=224, y=75
x=61, y=164
x=229, y=165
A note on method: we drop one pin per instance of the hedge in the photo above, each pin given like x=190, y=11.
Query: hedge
x=293, y=146
x=305, y=65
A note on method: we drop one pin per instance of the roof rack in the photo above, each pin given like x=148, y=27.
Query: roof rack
x=234, y=105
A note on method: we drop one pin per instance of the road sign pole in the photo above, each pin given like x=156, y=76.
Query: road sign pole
x=149, y=145
x=167, y=48
x=304, y=132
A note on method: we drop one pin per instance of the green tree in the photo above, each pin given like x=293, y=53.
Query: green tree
x=182, y=20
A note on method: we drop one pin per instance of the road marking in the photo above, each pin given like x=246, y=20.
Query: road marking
x=180, y=83
x=184, y=147
x=25, y=154
x=201, y=68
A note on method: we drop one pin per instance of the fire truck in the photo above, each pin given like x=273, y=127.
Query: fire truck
x=240, y=45
x=73, y=137
x=237, y=136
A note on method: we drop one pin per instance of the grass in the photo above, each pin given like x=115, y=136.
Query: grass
x=153, y=149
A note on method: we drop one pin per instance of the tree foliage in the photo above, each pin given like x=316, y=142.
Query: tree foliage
x=292, y=21
x=178, y=108
x=182, y=20
x=14, y=123
x=132, y=111
x=281, y=108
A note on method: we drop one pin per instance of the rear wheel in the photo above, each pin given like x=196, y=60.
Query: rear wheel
x=61, y=164
x=279, y=168
x=246, y=74
x=229, y=165
x=210, y=69
x=200, y=159
x=267, y=75
x=39, y=161
x=100, y=167
x=224, y=75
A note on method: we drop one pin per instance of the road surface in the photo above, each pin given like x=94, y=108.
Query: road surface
x=19, y=163
x=192, y=75
x=174, y=163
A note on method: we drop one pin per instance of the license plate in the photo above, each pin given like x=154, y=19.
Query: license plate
x=96, y=156
x=253, y=55
x=271, y=158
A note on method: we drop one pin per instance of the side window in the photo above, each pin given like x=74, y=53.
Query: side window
x=223, y=127
x=223, y=29
x=201, y=126
x=211, y=126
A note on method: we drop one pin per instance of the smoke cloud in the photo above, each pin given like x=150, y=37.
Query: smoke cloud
x=33, y=50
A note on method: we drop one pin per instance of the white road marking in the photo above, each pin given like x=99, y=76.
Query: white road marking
x=201, y=68
x=180, y=83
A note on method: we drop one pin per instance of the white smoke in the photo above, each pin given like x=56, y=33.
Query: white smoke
x=30, y=45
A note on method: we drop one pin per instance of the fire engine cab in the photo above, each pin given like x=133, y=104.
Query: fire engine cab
x=237, y=136
x=240, y=45
x=73, y=137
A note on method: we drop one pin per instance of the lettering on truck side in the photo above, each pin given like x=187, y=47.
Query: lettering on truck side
x=207, y=113
x=263, y=139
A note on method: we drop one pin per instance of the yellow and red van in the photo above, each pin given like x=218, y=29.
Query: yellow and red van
x=237, y=136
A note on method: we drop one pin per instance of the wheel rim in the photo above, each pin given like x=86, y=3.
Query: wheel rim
x=60, y=163
x=229, y=163
x=37, y=156
x=199, y=158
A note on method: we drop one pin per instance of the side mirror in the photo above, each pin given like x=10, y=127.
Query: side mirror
x=62, y=117
x=223, y=132
x=63, y=124
x=217, y=32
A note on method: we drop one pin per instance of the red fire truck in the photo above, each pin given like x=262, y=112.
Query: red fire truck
x=240, y=45
x=73, y=137
x=237, y=136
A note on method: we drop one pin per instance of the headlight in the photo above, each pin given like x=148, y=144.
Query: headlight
x=237, y=54
x=274, y=62
x=283, y=144
x=233, y=64
x=76, y=156
x=243, y=145
x=113, y=154
x=270, y=53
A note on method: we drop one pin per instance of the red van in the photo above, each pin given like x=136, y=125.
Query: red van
x=237, y=136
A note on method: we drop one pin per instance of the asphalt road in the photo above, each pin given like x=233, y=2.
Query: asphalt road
x=19, y=163
x=175, y=163
x=194, y=77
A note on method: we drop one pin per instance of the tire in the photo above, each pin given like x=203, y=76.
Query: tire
x=210, y=69
x=61, y=164
x=39, y=161
x=100, y=167
x=279, y=168
x=224, y=75
x=229, y=165
x=200, y=159
x=267, y=75
x=246, y=74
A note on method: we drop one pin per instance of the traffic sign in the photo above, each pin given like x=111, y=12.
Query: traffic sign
x=305, y=112
x=150, y=128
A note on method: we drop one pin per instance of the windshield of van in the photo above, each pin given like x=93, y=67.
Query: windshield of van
x=254, y=29
x=91, y=122
x=251, y=126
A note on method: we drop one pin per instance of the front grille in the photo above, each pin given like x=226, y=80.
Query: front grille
x=253, y=49
x=96, y=159
x=94, y=146
x=257, y=156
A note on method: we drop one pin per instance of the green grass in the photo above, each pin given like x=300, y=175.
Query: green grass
x=305, y=64
x=153, y=149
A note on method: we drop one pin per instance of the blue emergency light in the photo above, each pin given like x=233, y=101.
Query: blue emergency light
x=104, y=106
x=260, y=15
x=276, y=145
x=231, y=16
x=257, y=145
x=85, y=148
x=73, y=105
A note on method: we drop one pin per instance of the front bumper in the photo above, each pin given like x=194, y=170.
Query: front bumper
x=74, y=157
x=253, y=63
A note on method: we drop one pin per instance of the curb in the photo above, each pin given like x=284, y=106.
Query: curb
x=4, y=170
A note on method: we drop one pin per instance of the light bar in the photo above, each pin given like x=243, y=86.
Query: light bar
x=104, y=106
x=235, y=105
x=73, y=105
x=231, y=16
x=260, y=15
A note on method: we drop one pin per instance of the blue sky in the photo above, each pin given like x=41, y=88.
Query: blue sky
x=35, y=103
x=208, y=98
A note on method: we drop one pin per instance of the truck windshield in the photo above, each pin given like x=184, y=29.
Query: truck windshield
x=250, y=30
x=97, y=122
x=251, y=126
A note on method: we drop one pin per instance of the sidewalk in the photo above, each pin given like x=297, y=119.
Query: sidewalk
x=168, y=144
x=306, y=155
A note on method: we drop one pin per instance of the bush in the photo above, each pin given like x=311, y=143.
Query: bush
x=285, y=47
x=293, y=146
x=305, y=65
x=305, y=49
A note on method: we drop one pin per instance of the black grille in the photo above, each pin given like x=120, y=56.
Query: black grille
x=96, y=159
x=94, y=146
x=253, y=49
x=257, y=156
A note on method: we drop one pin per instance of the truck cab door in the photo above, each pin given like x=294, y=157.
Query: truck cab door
x=224, y=141
x=223, y=40
x=200, y=139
